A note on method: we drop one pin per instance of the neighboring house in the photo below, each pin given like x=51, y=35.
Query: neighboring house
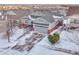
x=73, y=20
x=41, y=21
x=44, y=22
x=41, y=25
x=73, y=16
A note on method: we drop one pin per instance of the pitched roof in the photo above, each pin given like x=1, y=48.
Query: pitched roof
x=44, y=15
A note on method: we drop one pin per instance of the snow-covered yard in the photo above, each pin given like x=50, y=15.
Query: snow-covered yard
x=26, y=42
x=5, y=46
x=67, y=45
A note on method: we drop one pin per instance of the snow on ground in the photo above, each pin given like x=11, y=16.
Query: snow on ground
x=5, y=50
x=11, y=52
x=16, y=33
x=5, y=46
x=41, y=50
x=43, y=47
x=68, y=40
x=4, y=41
x=22, y=40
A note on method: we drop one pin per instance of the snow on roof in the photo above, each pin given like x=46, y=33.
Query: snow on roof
x=49, y=18
x=38, y=14
x=41, y=20
x=25, y=18
x=56, y=16
x=45, y=15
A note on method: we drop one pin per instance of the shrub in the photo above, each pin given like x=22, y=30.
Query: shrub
x=53, y=38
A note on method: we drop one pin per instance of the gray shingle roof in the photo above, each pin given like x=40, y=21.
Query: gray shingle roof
x=46, y=16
